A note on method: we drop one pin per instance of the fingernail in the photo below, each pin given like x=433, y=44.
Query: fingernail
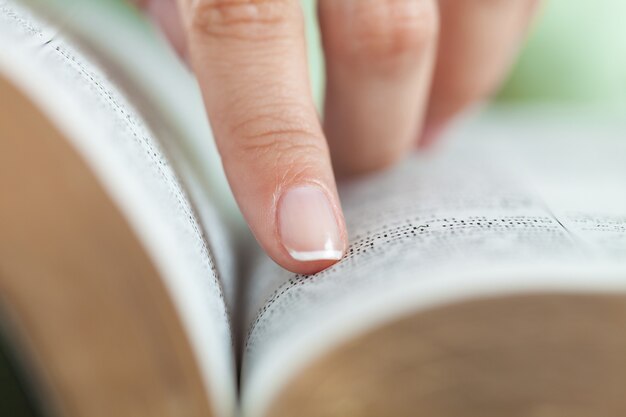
x=307, y=225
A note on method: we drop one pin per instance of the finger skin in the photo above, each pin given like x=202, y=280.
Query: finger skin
x=478, y=43
x=379, y=61
x=249, y=58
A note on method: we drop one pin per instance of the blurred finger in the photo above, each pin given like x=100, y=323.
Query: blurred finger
x=478, y=42
x=379, y=59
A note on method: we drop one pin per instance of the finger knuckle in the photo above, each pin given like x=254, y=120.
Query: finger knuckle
x=239, y=19
x=389, y=32
x=278, y=139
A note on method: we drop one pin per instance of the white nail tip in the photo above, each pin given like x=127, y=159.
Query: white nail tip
x=319, y=255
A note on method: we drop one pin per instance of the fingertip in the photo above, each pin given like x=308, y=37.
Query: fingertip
x=310, y=228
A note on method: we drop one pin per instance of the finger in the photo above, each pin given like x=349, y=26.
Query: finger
x=379, y=60
x=165, y=14
x=249, y=57
x=478, y=42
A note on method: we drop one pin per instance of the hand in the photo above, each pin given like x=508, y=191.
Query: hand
x=397, y=72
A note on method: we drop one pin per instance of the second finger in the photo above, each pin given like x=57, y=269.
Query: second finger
x=379, y=59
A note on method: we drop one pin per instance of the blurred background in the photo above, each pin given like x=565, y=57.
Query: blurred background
x=575, y=54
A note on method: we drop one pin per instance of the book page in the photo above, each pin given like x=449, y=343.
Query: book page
x=165, y=94
x=129, y=161
x=489, y=213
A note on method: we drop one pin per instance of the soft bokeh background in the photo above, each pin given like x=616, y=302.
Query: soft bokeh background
x=575, y=54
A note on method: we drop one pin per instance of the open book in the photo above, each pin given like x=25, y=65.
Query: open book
x=483, y=278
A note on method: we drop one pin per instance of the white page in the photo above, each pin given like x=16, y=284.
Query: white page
x=466, y=221
x=130, y=164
